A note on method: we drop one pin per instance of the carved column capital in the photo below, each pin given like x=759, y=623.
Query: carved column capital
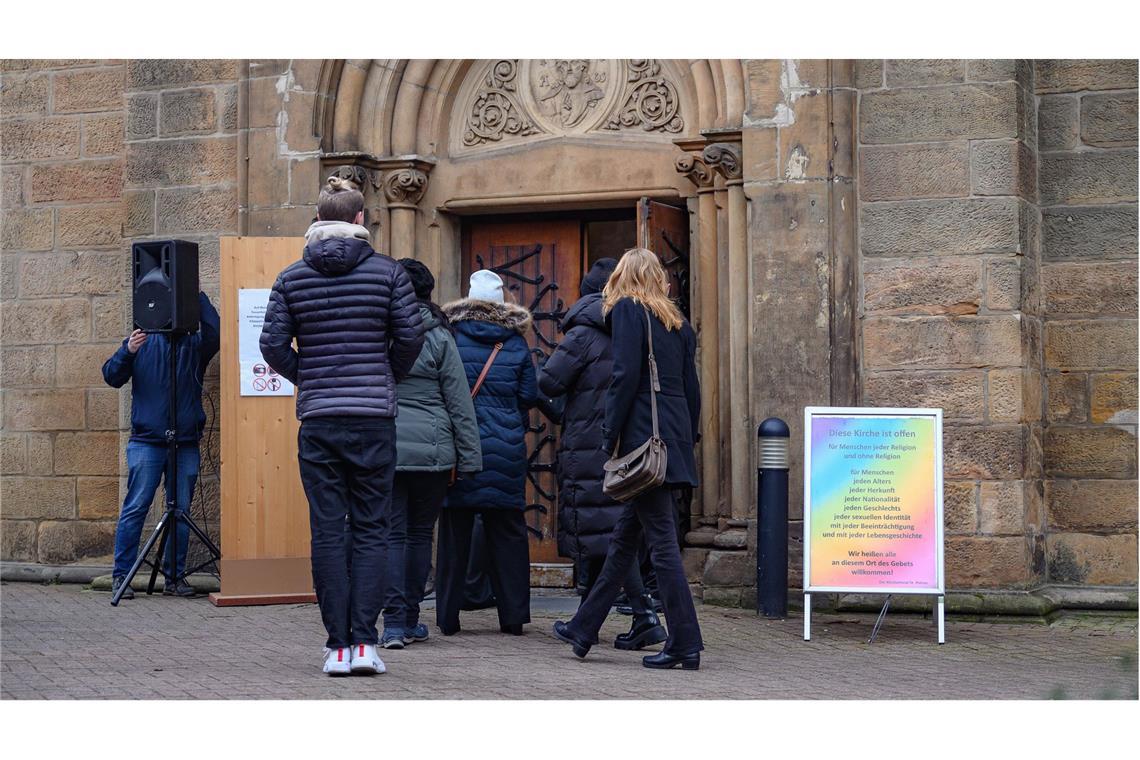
x=726, y=159
x=356, y=176
x=404, y=187
x=695, y=170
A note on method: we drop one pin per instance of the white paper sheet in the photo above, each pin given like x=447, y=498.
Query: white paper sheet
x=257, y=377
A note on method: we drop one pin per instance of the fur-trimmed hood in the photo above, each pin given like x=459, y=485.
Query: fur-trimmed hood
x=509, y=316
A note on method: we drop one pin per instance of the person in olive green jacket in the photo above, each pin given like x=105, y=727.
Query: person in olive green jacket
x=436, y=433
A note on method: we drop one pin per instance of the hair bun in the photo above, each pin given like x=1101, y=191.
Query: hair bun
x=340, y=184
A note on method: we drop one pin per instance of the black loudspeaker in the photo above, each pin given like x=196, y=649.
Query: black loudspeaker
x=165, y=277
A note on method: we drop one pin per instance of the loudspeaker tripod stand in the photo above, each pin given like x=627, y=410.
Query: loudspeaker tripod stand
x=165, y=533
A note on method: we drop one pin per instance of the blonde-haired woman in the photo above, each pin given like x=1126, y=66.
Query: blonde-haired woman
x=635, y=300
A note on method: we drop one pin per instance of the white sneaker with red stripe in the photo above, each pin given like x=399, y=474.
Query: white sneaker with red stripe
x=365, y=660
x=338, y=662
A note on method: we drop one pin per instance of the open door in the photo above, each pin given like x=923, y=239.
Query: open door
x=664, y=229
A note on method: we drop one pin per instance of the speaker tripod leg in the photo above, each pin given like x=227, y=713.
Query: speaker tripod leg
x=169, y=520
x=159, y=530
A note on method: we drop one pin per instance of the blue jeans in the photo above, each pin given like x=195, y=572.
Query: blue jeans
x=146, y=465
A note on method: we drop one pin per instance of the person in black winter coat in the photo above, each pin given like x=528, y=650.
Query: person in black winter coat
x=498, y=493
x=580, y=369
x=637, y=305
x=358, y=329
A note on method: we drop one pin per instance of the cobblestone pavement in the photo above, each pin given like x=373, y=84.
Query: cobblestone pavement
x=166, y=648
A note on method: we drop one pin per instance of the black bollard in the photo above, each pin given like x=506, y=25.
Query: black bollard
x=772, y=519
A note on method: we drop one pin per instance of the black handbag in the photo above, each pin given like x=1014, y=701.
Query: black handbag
x=643, y=468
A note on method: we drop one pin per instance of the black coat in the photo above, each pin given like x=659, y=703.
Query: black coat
x=678, y=402
x=580, y=369
x=357, y=324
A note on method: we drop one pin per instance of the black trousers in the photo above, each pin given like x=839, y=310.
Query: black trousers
x=347, y=464
x=504, y=531
x=633, y=585
x=417, y=497
x=651, y=513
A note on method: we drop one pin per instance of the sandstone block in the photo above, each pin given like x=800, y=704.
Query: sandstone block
x=193, y=161
x=969, y=111
x=901, y=172
x=987, y=562
x=941, y=342
x=997, y=70
x=1003, y=284
x=1002, y=507
x=924, y=71
x=987, y=453
x=693, y=560
x=142, y=116
x=299, y=128
x=1114, y=398
x=726, y=568
x=43, y=409
x=1058, y=123
x=1078, y=558
x=1109, y=120
x=139, y=213
x=1088, y=177
x=40, y=454
x=941, y=286
x=66, y=320
x=79, y=181
x=959, y=506
x=103, y=409
x=1097, y=452
x=187, y=111
x=1091, y=344
x=90, y=226
x=1107, y=288
x=1071, y=75
x=1076, y=233
x=1091, y=505
x=83, y=91
x=98, y=498
x=38, y=498
x=110, y=317
x=1006, y=395
x=27, y=229
x=974, y=225
x=103, y=135
x=9, y=276
x=146, y=74
x=13, y=186
x=228, y=108
x=264, y=102
x=86, y=272
x=196, y=211
x=960, y=395
x=270, y=186
x=305, y=175
x=1068, y=397
x=26, y=366
x=869, y=73
x=87, y=453
x=78, y=365
x=21, y=94
x=763, y=76
x=13, y=454
x=18, y=540
x=39, y=139
x=1005, y=167
x=281, y=221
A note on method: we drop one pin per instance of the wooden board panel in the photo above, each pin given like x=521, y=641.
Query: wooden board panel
x=265, y=515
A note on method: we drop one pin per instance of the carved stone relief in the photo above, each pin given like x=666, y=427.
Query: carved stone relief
x=510, y=101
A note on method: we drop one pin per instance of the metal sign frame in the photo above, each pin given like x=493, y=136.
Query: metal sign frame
x=938, y=590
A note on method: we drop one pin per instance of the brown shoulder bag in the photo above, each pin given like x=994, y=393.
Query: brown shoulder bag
x=475, y=392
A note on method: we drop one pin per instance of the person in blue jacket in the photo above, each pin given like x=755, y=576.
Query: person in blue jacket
x=498, y=493
x=145, y=361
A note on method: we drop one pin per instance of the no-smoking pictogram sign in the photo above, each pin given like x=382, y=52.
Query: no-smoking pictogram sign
x=259, y=384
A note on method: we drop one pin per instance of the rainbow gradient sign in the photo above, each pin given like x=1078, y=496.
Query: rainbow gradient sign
x=873, y=500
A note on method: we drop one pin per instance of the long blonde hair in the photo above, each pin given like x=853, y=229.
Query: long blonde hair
x=640, y=276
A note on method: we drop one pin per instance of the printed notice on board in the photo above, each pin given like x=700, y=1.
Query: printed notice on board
x=257, y=378
x=874, y=503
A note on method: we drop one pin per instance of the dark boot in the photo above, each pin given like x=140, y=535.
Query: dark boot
x=646, y=629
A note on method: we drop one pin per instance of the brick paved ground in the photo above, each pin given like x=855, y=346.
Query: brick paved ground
x=177, y=649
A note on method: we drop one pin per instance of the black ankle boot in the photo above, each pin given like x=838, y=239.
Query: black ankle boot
x=562, y=634
x=646, y=628
x=664, y=661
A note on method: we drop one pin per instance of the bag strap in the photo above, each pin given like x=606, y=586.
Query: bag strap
x=487, y=368
x=654, y=380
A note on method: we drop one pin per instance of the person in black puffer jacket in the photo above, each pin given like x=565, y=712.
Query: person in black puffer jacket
x=358, y=329
x=580, y=369
x=498, y=492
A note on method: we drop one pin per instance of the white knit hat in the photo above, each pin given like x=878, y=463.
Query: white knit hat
x=486, y=286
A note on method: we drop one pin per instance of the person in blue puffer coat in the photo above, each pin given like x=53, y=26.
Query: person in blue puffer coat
x=497, y=493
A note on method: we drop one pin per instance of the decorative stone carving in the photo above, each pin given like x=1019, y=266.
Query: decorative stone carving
x=405, y=187
x=353, y=175
x=725, y=158
x=567, y=91
x=695, y=170
x=496, y=111
x=653, y=104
